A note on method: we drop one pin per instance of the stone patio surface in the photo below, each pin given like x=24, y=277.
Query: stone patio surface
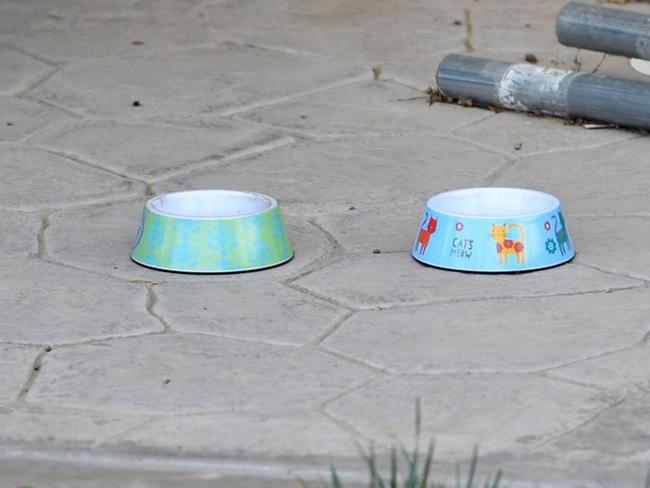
x=119, y=376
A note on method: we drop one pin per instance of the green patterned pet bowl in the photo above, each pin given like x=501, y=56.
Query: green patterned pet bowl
x=211, y=231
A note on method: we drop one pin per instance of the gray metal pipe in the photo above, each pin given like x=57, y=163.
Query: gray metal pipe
x=608, y=30
x=529, y=88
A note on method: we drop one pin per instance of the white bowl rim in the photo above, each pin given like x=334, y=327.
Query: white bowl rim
x=641, y=65
x=175, y=205
x=442, y=203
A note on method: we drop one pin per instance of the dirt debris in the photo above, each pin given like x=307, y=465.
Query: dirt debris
x=531, y=58
x=434, y=95
x=376, y=72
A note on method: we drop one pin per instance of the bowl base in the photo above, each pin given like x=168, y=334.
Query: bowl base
x=495, y=271
x=215, y=272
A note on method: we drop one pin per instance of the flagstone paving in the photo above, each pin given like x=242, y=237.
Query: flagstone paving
x=118, y=375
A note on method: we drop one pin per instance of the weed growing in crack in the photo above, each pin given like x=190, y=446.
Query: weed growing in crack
x=418, y=472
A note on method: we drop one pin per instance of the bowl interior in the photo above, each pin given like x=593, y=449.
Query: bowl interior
x=210, y=204
x=493, y=202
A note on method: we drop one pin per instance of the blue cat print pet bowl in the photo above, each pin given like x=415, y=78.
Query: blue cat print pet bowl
x=493, y=230
x=211, y=231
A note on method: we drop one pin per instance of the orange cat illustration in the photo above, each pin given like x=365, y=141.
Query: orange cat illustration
x=425, y=233
x=507, y=246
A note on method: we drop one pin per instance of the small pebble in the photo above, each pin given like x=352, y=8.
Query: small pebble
x=137, y=43
x=531, y=58
x=376, y=251
x=458, y=22
x=167, y=381
x=136, y=103
x=518, y=146
x=303, y=116
x=352, y=208
x=10, y=124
